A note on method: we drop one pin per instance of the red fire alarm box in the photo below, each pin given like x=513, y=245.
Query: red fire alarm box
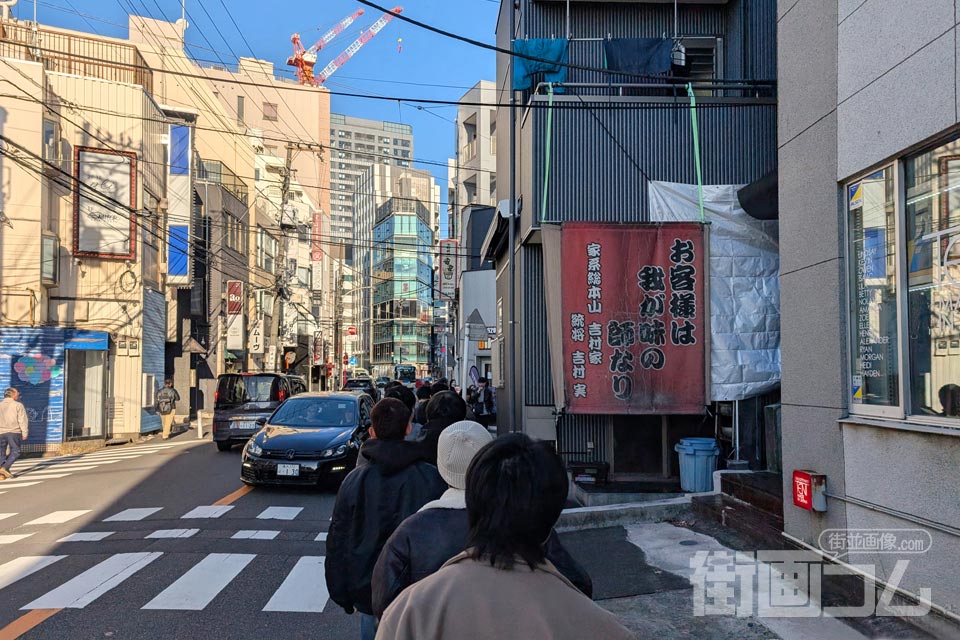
x=809, y=490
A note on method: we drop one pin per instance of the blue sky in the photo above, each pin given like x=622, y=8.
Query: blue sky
x=448, y=66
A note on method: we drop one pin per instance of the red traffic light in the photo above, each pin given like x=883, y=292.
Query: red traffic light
x=346, y=360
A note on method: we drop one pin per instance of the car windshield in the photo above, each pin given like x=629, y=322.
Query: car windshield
x=357, y=384
x=315, y=413
x=234, y=390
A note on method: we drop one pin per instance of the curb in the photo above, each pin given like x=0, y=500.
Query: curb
x=615, y=515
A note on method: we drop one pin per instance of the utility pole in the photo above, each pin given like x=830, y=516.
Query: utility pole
x=337, y=338
x=282, y=275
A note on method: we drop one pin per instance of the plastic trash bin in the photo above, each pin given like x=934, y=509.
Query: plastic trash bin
x=698, y=461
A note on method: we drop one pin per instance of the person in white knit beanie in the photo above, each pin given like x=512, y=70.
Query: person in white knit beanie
x=427, y=539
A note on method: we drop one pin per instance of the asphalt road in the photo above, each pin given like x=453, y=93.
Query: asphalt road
x=161, y=540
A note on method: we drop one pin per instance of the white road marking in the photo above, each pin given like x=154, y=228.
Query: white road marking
x=4, y=516
x=57, y=468
x=207, y=512
x=46, y=475
x=19, y=568
x=13, y=484
x=10, y=539
x=321, y=537
x=86, y=536
x=174, y=533
x=200, y=585
x=280, y=513
x=304, y=590
x=132, y=515
x=254, y=534
x=94, y=582
x=58, y=517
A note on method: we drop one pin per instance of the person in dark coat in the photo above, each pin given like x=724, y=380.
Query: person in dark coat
x=443, y=410
x=427, y=539
x=420, y=410
x=373, y=500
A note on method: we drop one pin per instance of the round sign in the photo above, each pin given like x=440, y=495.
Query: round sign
x=351, y=331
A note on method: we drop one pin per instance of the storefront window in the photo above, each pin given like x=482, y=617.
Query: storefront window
x=871, y=204
x=933, y=264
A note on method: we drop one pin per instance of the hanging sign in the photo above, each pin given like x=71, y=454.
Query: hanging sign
x=448, y=269
x=235, y=337
x=104, y=204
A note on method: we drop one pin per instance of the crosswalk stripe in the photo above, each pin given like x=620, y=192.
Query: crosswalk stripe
x=58, y=517
x=132, y=515
x=207, y=512
x=22, y=567
x=4, y=516
x=195, y=589
x=304, y=590
x=94, y=582
x=41, y=475
x=73, y=467
x=279, y=513
x=321, y=537
x=13, y=484
x=174, y=533
x=10, y=539
x=87, y=536
x=253, y=534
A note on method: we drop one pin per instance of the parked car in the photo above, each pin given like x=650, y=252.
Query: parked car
x=309, y=438
x=382, y=381
x=365, y=385
x=242, y=398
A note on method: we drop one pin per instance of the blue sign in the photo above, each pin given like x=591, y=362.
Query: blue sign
x=353, y=361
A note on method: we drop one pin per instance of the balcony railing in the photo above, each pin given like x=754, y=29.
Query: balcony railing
x=77, y=55
x=468, y=151
x=218, y=173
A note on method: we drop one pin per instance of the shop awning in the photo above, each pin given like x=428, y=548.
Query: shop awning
x=84, y=340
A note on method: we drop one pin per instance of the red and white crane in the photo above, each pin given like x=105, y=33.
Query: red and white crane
x=304, y=60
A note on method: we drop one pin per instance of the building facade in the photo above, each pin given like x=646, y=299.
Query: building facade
x=589, y=153
x=396, y=241
x=355, y=144
x=868, y=150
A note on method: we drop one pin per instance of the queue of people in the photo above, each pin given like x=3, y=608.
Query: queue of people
x=450, y=535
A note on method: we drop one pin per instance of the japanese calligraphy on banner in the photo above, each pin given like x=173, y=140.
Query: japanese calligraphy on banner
x=235, y=333
x=634, y=318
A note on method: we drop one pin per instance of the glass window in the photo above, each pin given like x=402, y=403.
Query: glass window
x=932, y=235
x=872, y=209
x=270, y=111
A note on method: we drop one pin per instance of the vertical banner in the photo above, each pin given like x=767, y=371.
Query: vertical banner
x=179, y=205
x=448, y=269
x=104, y=222
x=235, y=332
x=634, y=318
x=316, y=237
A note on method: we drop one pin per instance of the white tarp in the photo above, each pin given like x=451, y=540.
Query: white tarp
x=744, y=286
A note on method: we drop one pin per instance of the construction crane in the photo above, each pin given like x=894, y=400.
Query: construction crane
x=305, y=59
x=355, y=46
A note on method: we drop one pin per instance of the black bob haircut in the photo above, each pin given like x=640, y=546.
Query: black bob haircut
x=401, y=393
x=424, y=393
x=516, y=489
x=446, y=405
x=389, y=419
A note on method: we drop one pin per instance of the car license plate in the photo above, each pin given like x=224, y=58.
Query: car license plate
x=288, y=470
x=243, y=424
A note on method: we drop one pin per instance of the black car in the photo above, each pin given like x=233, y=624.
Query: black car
x=366, y=385
x=382, y=382
x=309, y=438
x=242, y=398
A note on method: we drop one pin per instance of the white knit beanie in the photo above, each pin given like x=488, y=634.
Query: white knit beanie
x=457, y=445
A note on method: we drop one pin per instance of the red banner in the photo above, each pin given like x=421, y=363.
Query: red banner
x=316, y=245
x=634, y=318
x=234, y=297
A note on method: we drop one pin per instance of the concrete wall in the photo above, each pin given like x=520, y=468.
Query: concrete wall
x=859, y=83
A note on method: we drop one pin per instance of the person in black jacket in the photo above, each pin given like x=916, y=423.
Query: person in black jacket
x=443, y=410
x=426, y=540
x=373, y=500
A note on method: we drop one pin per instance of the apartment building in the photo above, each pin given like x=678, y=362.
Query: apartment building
x=355, y=144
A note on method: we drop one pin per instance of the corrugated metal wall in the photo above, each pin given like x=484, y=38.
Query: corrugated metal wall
x=43, y=399
x=575, y=434
x=603, y=157
x=154, y=345
x=537, y=385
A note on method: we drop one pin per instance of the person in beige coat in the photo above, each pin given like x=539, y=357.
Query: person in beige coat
x=503, y=586
x=13, y=430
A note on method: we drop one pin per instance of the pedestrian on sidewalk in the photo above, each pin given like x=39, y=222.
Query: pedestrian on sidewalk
x=420, y=410
x=503, y=585
x=167, y=399
x=485, y=407
x=13, y=430
x=427, y=539
x=373, y=500
x=444, y=408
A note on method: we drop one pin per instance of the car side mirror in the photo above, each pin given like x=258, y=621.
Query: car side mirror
x=261, y=422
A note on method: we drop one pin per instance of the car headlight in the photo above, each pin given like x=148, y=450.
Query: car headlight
x=254, y=449
x=335, y=451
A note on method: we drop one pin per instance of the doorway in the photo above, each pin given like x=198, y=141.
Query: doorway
x=83, y=415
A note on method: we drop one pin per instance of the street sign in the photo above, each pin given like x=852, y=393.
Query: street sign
x=476, y=332
x=256, y=339
x=353, y=361
x=351, y=331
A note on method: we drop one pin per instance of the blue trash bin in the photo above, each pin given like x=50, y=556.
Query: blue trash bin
x=698, y=461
